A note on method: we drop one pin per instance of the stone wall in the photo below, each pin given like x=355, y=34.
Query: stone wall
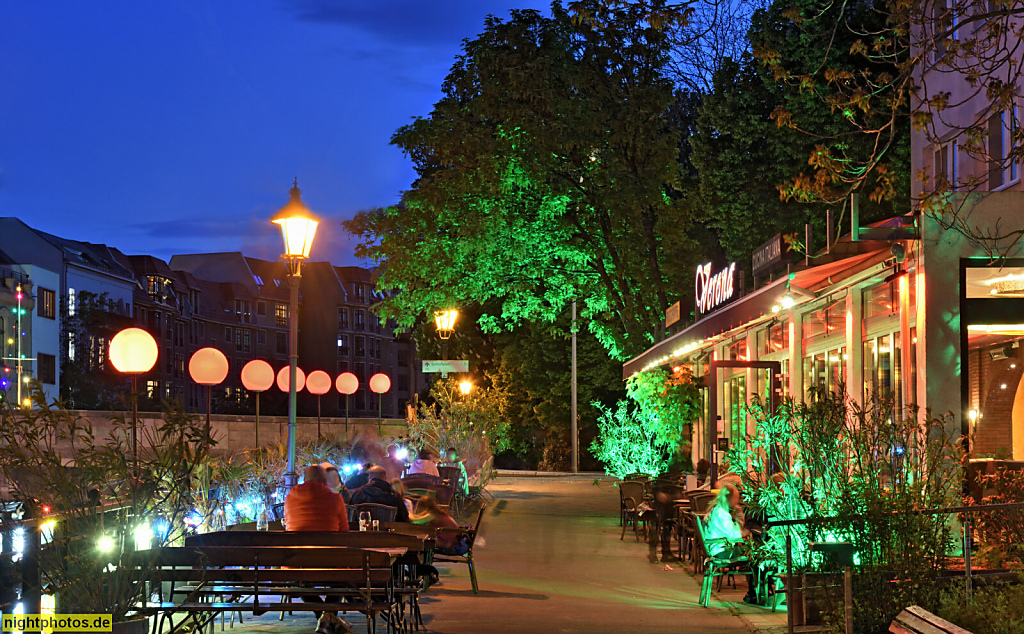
x=234, y=433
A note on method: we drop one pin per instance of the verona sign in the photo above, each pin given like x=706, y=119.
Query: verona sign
x=714, y=289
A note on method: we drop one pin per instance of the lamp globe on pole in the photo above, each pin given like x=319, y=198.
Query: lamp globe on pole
x=298, y=228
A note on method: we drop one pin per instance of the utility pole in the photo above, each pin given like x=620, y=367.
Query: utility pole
x=574, y=431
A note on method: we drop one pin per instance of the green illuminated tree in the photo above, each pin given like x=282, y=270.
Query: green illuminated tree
x=547, y=172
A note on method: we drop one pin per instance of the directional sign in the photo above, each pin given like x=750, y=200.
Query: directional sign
x=430, y=367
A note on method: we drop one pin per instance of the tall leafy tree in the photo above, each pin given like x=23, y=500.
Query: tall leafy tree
x=547, y=172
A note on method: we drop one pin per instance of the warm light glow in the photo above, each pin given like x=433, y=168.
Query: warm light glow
x=973, y=415
x=1000, y=329
x=208, y=366
x=319, y=382
x=787, y=301
x=380, y=383
x=445, y=321
x=298, y=226
x=257, y=376
x=347, y=383
x=466, y=387
x=283, y=382
x=133, y=351
x=106, y=544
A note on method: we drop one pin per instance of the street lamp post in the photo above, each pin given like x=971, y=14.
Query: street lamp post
x=445, y=322
x=298, y=227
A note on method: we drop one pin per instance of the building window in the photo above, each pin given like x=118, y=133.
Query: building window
x=179, y=366
x=342, y=318
x=1002, y=169
x=71, y=302
x=243, y=310
x=944, y=165
x=47, y=303
x=261, y=309
x=261, y=337
x=773, y=339
x=202, y=330
x=403, y=382
x=360, y=294
x=376, y=345
x=47, y=368
x=402, y=360
x=825, y=370
x=281, y=314
x=343, y=344
x=360, y=347
x=282, y=343
x=228, y=335
x=880, y=300
x=360, y=320
x=882, y=369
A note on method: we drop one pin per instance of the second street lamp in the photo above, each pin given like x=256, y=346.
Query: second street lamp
x=445, y=322
x=298, y=228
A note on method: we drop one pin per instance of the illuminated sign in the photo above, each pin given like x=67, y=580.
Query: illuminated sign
x=713, y=290
x=772, y=254
x=672, y=314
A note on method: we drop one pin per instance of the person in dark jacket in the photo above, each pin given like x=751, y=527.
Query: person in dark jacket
x=378, y=491
x=360, y=478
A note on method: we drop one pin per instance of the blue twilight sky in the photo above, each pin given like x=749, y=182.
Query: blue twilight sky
x=177, y=126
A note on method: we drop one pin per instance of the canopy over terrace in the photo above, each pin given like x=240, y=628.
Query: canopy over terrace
x=840, y=271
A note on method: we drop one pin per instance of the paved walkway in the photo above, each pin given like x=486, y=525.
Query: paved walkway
x=551, y=561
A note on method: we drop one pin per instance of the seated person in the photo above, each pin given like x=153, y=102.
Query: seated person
x=704, y=474
x=378, y=491
x=399, y=488
x=334, y=482
x=724, y=533
x=359, y=478
x=394, y=461
x=452, y=460
x=311, y=506
x=424, y=463
x=429, y=513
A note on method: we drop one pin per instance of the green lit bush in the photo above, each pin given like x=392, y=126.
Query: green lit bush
x=626, y=442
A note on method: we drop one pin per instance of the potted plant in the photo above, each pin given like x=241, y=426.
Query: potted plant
x=96, y=500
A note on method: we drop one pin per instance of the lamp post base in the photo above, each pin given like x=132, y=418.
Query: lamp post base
x=289, y=481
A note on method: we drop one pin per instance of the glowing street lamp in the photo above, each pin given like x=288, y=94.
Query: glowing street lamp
x=257, y=376
x=133, y=351
x=466, y=387
x=298, y=228
x=347, y=384
x=380, y=383
x=318, y=382
x=445, y=321
x=209, y=367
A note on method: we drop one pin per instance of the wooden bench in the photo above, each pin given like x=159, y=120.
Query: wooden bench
x=917, y=620
x=361, y=579
x=408, y=582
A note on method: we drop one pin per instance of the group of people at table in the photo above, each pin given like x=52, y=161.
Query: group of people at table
x=320, y=503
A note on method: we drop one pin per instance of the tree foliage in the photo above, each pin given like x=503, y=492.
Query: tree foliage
x=466, y=422
x=626, y=442
x=547, y=172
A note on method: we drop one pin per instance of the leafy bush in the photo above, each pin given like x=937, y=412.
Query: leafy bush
x=50, y=457
x=471, y=423
x=994, y=609
x=858, y=472
x=626, y=442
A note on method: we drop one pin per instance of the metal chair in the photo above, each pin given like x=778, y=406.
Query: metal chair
x=377, y=512
x=715, y=566
x=468, y=533
x=631, y=494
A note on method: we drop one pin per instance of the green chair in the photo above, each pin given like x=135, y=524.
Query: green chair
x=715, y=566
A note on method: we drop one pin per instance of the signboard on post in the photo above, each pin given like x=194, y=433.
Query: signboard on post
x=444, y=367
x=771, y=255
x=672, y=314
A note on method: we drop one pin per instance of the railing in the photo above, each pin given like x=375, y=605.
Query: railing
x=28, y=572
x=967, y=542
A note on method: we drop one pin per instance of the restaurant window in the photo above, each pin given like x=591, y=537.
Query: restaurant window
x=281, y=314
x=773, y=339
x=882, y=370
x=736, y=407
x=738, y=350
x=825, y=370
x=47, y=303
x=881, y=300
x=824, y=321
